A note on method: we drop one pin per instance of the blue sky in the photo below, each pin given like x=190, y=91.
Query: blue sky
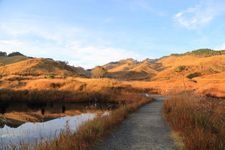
x=93, y=32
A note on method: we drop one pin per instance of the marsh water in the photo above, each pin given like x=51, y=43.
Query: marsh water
x=32, y=132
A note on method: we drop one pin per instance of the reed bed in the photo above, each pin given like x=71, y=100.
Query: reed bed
x=200, y=121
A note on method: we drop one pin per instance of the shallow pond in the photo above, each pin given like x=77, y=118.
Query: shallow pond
x=33, y=132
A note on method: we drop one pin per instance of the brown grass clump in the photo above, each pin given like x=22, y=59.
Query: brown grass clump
x=199, y=120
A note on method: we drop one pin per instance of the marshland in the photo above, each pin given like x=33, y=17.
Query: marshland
x=112, y=75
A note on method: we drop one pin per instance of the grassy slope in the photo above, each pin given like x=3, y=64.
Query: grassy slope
x=210, y=80
x=203, y=65
x=167, y=80
x=9, y=60
x=203, y=72
x=39, y=66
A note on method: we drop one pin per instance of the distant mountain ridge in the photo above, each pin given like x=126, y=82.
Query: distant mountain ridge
x=190, y=64
x=201, y=62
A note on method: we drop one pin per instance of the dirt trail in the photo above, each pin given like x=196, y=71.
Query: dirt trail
x=142, y=130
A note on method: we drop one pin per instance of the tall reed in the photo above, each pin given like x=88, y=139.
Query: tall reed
x=199, y=120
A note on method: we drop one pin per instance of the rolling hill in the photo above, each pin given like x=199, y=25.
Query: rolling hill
x=130, y=69
x=22, y=65
x=11, y=58
x=191, y=64
x=200, y=70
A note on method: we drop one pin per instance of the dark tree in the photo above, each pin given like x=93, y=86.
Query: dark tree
x=3, y=53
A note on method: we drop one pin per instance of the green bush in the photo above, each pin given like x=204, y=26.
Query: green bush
x=207, y=52
x=50, y=76
x=193, y=75
x=180, y=68
x=204, y=52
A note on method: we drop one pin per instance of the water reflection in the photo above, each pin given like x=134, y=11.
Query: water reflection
x=32, y=132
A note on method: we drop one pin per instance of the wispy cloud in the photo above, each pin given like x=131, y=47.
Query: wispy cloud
x=201, y=14
x=72, y=44
x=11, y=42
x=92, y=55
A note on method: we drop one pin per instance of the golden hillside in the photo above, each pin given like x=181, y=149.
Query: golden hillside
x=188, y=65
x=130, y=69
x=40, y=66
x=203, y=73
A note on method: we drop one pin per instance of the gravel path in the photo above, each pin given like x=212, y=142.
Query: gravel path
x=142, y=130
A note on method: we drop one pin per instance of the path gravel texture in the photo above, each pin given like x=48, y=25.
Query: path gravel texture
x=142, y=130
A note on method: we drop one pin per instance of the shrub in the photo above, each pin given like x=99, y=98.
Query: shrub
x=204, y=52
x=180, y=68
x=51, y=76
x=207, y=52
x=193, y=75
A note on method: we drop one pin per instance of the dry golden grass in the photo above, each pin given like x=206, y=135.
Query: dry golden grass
x=39, y=79
x=123, y=66
x=58, y=91
x=92, y=131
x=100, y=84
x=146, y=67
x=40, y=66
x=164, y=77
x=199, y=120
x=15, y=82
x=178, y=140
x=203, y=65
x=211, y=85
x=164, y=68
x=54, y=84
x=189, y=60
x=164, y=87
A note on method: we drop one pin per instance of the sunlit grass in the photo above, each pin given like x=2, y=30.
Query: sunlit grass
x=93, y=131
x=199, y=120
